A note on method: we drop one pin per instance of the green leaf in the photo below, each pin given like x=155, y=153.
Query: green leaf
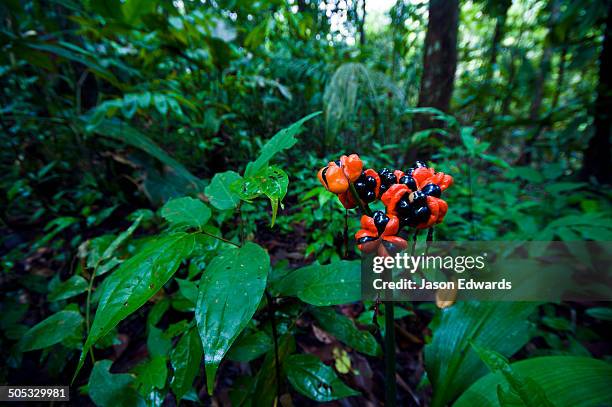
x=345, y=331
x=219, y=192
x=332, y=284
x=186, y=212
x=230, y=291
x=135, y=281
x=311, y=377
x=565, y=380
x=112, y=390
x=249, y=347
x=271, y=181
x=51, y=331
x=282, y=140
x=152, y=374
x=603, y=313
x=527, y=390
x=124, y=133
x=451, y=363
x=75, y=285
x=186, y=359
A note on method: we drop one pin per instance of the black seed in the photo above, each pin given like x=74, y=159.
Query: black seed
x=404, y=208
x=409, y=172
x=409, y=182
x=420, y=164
x=369, y=196
x=380, y=221
x=337, y=163
x=384, y=171
x=365, y=239
x=432, y=190
x=388, y=178
x=421, y=214
x=370, y=182
x=419, y=199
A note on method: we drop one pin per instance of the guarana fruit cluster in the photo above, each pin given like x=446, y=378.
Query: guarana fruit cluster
x=412, y=198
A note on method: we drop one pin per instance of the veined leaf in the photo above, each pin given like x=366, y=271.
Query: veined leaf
x=230, y=291
x=567, y=381
x=75, y=285
x=282, y=140
x=451, y=363
x=249, y=347
x=219, y=192
x=331, y=284
x=311, y=377
x=186, y=359
x=52, y=330
x=186, y=211
x=271, y=181
x=135, y=281
x=112, y=390
x=345, y=331
x=529, y=392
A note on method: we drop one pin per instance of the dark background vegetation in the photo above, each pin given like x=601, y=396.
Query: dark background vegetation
x=111, y=107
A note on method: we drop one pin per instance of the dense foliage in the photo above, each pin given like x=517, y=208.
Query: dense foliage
x=165, y=240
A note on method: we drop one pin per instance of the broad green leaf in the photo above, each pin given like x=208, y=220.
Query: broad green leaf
x=282, y=140
x=187, y=212
x=186, y=359
x=152, y=374
x=53, y=330
x=219, y=192
x=75, y=285
x=451, y=363
x=249, y=347
x=567, y=381
x=230, y=291
x=332, y=284
x=137, y=280
x=311, y=377
x=529, y=392
x=112, y=390
x=345, y=331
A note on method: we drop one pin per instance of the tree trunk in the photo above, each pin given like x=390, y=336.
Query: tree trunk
x=542, y=75
x=439, y=58
x=597, y=157
x=362, y=38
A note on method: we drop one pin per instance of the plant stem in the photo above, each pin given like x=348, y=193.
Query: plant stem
x=390, y=386
x=362, y=205
x=271, y=310
x=87, y=309
x=219, y=238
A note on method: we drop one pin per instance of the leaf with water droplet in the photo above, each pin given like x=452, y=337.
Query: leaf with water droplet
x=220, y=313
x=128, y=287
